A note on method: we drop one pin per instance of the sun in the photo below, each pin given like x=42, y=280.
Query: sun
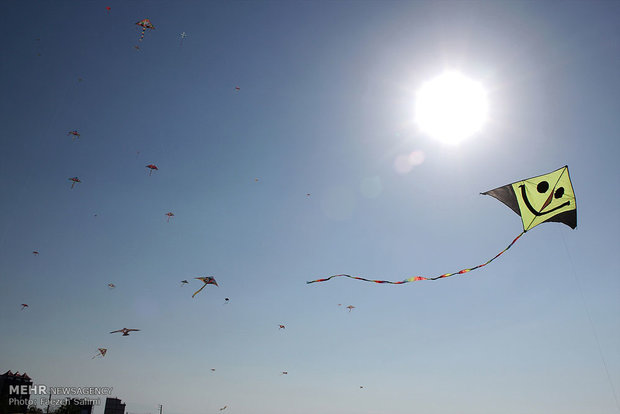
x=451, y=107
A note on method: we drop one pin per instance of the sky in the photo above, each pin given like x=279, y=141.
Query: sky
x=325, y=107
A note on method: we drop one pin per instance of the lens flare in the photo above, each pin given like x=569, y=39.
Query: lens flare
x=405, y=162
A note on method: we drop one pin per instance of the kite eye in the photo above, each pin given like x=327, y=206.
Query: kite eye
x=542, y=187
x=559, y=192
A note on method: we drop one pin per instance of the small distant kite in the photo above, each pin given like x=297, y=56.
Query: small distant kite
x=256, y=180
x=111, y=285
x=212, y=369
x=74, y=181
x=237, y=88
x=223, y=408
x=80, y=79
x=308, y=195
x=541, y=199
x=169, y=214
x=226, y=300
x=183, y=36
x=282, y=327
x=152, y=167
x=184, y=282
x=108, y=8
x=284, y=373
x=24, y=306
x=75, y=134
x=137, y=47
x=35, y=252
x=125, y=331
x=207, y=281
x=350, y=307
x=100, y=353
x=145, y=24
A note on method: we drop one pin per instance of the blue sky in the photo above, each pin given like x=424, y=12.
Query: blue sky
x=325, y=107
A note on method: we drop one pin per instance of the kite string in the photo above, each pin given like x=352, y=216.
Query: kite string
x=594, y=333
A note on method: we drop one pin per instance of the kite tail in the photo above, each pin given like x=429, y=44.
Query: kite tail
x=196, y=292
x=359, y=278
x=417, y=278
x=142, y=36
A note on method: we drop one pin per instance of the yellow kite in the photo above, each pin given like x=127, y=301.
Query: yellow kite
x=547, y=197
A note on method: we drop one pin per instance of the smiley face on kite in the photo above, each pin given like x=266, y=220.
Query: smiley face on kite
x=542, y=188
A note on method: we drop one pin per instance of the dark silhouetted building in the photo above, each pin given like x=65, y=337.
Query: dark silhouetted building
x=79, y=406
x=12, y=399
x=114, y=406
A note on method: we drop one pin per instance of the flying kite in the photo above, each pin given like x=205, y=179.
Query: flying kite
x=152, y=167
x=284, y=373
x=75, y=180
x=100, y=352
x=74, y=133
x=350, y=307
x=35, y=252
x=212, y=369
x=282, y=327
x=24, y=306
x=183, y=36
x=544, y=198
x=125, y=331
x=184, y=282
x=145, y=24
x=169, y=214
x=226, y=300
x=111, y=285
x=207, y=281
x=237, y=88
x=223, y=408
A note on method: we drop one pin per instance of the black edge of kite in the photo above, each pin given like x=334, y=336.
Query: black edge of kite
x=506, y=195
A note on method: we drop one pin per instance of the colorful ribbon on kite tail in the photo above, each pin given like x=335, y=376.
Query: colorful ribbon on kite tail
x=416, y=278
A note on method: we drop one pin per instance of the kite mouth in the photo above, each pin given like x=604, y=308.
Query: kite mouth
x=537, y=213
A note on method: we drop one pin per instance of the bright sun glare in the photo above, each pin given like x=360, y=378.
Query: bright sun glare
x=451, y=107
